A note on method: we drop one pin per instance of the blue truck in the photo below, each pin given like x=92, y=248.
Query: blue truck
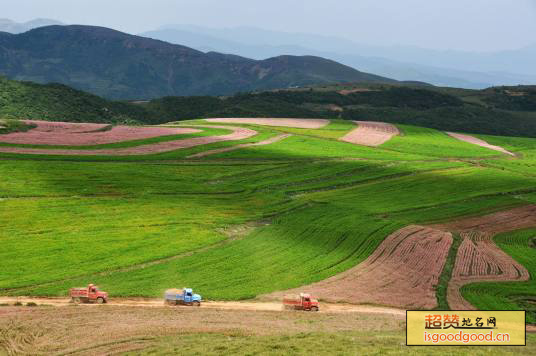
x=183, y=296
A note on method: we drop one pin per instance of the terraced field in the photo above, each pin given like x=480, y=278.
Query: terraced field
x=520, y=245
x=269, y=209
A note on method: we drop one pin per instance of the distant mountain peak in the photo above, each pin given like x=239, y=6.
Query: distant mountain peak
x=118, y=65
x=7, y=25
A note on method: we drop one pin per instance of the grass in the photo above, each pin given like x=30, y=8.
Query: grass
x=334, y=130
x=13, y=125
x=425, y=189
x=420, y=140
x=263, y=134
x=138, y=225
x=446, y=275
x=204, y=331
x=341, y=343
x=306, y=147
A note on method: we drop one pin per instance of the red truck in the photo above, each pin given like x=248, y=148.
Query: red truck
x=91, y=294
x=302, y=302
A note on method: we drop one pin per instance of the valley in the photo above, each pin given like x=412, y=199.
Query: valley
x=159, y=199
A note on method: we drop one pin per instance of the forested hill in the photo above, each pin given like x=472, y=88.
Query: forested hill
x=509, y=111
x=117, y=65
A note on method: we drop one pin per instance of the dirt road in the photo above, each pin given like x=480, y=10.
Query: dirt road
x=245, y=305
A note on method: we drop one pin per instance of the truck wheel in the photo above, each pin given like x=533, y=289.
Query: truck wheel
x=100, y=300
x=76, y=300
x=196, y=304
x=315, y=309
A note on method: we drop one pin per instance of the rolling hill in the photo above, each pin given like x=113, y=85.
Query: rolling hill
x=121, y=66
x=497, y=111
x=255, y=215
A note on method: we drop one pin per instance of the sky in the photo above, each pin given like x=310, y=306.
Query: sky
x=471, y=25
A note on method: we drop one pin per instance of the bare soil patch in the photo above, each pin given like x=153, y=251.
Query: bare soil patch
x=496, y=223
x=108, y=329
x=476, y=141
x=238, y=133
x=74, y=134
x=370, y=133
x=479, y=259
x=237, y=147
x=296, y=123
x=402, y=272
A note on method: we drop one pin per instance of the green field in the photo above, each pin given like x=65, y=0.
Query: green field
x=243, y=223
x=341, y=343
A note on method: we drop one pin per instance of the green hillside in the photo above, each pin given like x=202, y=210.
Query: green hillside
x=248, y=222
x=439, y=108
x=56, y=102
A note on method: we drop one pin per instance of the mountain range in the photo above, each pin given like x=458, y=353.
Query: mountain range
x=122, y=66
x=294, y=59
x=442, y=68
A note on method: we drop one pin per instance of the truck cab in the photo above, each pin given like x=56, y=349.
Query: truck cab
x=308, y=302
x=190, y=297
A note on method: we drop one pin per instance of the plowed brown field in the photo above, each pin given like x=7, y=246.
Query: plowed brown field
x=402, y=272
x=296, y=123
x=369, y=133
x=479, y=259
x=476, y=141
x=74, y=134
x=238, y=133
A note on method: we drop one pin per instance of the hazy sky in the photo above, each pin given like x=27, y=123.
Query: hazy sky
x=443, y=24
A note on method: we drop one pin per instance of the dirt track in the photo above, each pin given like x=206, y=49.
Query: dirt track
x=402, y=272
x=370, y=133
x=237, y=147
x=476, y=141
x=296, y=123
x=239, y=133
x=251, y=306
